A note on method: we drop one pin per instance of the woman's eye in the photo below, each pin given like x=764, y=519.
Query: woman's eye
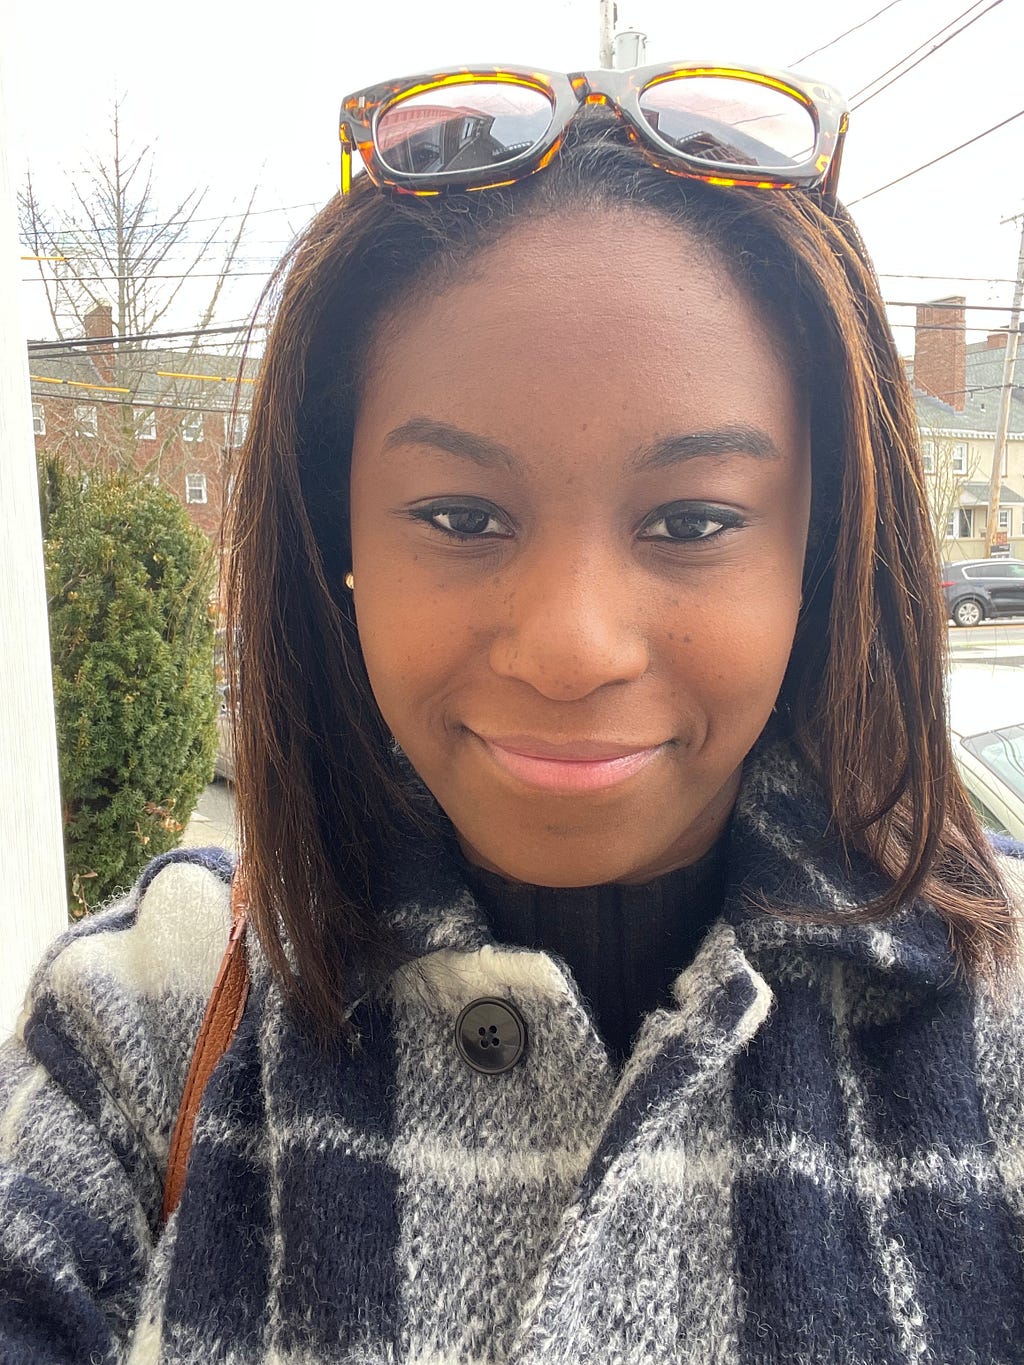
x=689, y=524
x=463, y=522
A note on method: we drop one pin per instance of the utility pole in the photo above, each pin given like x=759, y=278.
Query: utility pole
x=618, y=50
x=608, y=16
x=1003, y=424
x=33, y=904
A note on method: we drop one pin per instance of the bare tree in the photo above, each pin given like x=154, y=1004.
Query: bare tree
x=943, y=481
x=112, y=246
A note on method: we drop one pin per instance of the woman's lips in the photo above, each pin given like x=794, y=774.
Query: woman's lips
x=582, y=766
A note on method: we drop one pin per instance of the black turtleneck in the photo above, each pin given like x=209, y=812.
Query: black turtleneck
x=624, y=945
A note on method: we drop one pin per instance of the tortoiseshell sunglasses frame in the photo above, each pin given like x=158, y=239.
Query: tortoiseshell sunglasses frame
x=619, y=91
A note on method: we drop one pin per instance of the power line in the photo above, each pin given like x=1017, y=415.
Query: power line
x=935, y=160
x=839, y=38
x=91, y=256
x=142, y=275
x=216, y=218
x=59, y=245
x=54, y=349
x=250, y=213
x=971, y=390
x=137, y=402
x=857, y=103
x=942, y=327
x=942, y=303
x=89, y=248
x=264, y=274
x=36, y=347
x=141, y=358
x=971, y=279
x=190, y=376
x=242, y=274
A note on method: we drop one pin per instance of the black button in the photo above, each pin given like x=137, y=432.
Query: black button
x=490, y=1036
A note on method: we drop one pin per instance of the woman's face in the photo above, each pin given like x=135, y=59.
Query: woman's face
x=580, y=493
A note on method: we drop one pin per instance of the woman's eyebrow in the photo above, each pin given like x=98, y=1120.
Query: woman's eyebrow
x=426, y=431
x=730, y=440
x=719, y=441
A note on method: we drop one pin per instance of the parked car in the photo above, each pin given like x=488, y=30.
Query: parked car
x=986, y=721
x=980, y=588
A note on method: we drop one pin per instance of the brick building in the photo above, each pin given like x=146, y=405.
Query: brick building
x=171, y=415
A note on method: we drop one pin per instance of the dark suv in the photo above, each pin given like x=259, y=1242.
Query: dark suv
x=976, y=588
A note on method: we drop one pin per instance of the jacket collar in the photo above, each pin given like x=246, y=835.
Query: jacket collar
x=786, y=855
x=783, y=854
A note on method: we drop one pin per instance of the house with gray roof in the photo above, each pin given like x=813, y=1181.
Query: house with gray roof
x=957, y=388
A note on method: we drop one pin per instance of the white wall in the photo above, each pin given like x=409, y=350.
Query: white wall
x=32, y=901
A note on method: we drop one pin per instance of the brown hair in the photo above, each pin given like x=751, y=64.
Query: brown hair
x=321, y=794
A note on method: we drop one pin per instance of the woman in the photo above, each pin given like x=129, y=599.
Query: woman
x=630, y=979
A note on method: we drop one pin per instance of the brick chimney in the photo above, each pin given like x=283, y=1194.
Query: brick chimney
x=99, y=322
x=940, y=350
x=996, y=341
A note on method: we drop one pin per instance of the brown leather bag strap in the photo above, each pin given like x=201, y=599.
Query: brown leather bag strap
x=223, y=1015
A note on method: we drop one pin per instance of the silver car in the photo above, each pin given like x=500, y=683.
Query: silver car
x=224, y=763
x=986, y=715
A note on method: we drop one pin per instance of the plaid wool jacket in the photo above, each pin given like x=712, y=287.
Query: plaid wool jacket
x=814, y=1156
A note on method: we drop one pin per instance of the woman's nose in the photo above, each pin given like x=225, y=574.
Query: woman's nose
x=572, y=626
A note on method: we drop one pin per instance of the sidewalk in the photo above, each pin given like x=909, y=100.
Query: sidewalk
x=1005, y=652
x=213, y=820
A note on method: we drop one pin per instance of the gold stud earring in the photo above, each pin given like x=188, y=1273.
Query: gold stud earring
x=350, y=582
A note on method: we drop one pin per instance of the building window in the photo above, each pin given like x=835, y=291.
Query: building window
x=959, y=525
x=236, y=428
x=145, y=424
x=928, y=456
x=192, y=428
x=195, y=487
x=1005, y=522
x=85, y=420
x=38, y=420
x=959, y=463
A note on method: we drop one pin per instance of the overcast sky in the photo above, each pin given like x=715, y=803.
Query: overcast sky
x=235, y=95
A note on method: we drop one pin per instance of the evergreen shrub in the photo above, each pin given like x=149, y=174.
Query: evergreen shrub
x=131, y=635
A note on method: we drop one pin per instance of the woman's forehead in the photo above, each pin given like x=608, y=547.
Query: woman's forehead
x=577, y=324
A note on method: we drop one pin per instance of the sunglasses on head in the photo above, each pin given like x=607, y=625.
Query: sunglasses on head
x=476, y=128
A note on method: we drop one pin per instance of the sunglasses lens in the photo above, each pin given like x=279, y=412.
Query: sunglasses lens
x=464, y=127
x=729, y=120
